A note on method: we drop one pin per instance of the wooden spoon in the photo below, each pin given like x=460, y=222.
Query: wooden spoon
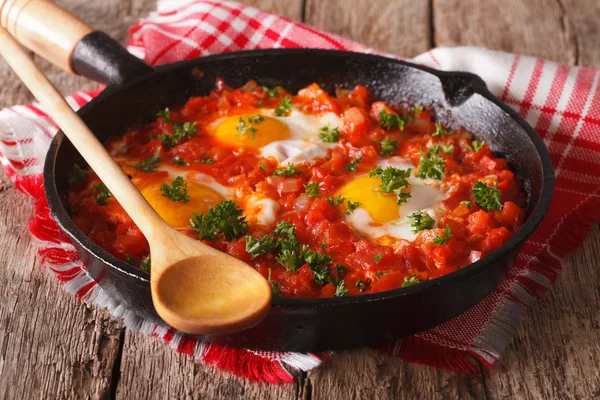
x=195, y=288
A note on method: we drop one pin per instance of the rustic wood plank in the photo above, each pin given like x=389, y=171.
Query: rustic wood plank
x=396, y=26
x=582, y=17
x=532, y=27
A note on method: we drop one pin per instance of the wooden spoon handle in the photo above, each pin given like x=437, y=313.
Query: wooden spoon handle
x=82, y=138
x=44, y=28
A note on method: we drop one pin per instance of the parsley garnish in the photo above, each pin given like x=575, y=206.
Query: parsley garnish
x=284, y=107
x=352, y=206
x=340, y=289
x=448, y=149
x=381, y=274
x=77, y=175
x=360, y=285
x=290, y=254
x=336, y=201
x=467, y=203
x=439, y=130
x=177, y=191
x=165, y=115
x=258, y=247
x=103, y=194
x=476, y=145
x=416, y=110
x=351, y=167
x=243, y=129
x=420, y=220
x=389, y=121
x=378, y=258
x=312, y=189
x=180, y=131
x=180, y=161
x=274, y=284
x=289, y=171
x=145, y=264
x=431, y=165
x=272, y=93
x=286, y=229
x=256, y=119
x=317, y=263
x=486, y=197
x=341, y=269
x=204, y=160
x=413, y=280
x=393, y=180
x=441, y=239
x=388, y=147
x=329, y=135
x=149, y=164
x=262, y=165
x=223, y=219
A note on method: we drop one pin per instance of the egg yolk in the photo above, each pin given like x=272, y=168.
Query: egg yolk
x=241, y=130
x=381, y=207
x=202, y=199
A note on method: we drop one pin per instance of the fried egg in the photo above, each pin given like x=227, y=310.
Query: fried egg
x=379, y=215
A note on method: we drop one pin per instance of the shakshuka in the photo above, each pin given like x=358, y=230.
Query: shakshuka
x=325, y=195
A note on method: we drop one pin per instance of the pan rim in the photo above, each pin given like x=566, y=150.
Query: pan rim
x=538, y=212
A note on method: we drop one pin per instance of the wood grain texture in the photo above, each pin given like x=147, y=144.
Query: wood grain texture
x=554, y=355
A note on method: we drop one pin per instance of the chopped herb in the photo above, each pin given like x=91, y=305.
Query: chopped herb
x=352, y=206
x=467, y=203
x=314, y=259
x=312, y=189
x=378, y=258
x=145, y=264
x=393, y=180
x=439, y=130
x=476, y=145
x=486, y=197
x=329, y=135
x=448, y=149
x=413, y=280
x=243, y=129
x=360, y=285
x=390, y=121
x=420, y=220
x=272, y=93
x=351, y=167
x=290, y=254
x=260, y=103
x=336, y=201
x=340, y=289
x=321, y=274
x=274, y=284
x=177, y=191
x=223, y=219
x=258, y=247
x=180, y=161
x=431, y=165
x=180, y=131
x=441, y=239
x=416, y=110
x=256, y=119
x=381, y=274
x=77, y=175
x=205, y=160
x=103, y=193
x=262, y=165
x=149, y=164
x=130, y=260
x=284, y=107
x=341, y=269
x=323, y=246
x=165, y=115
x=388, y=147
x=289, y=171
x=286, y=229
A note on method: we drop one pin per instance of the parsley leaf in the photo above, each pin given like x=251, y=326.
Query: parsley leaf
x=286, y=229
x=180, y=161
x=243, y=129
x=448, y=149
x=360, y=285
x=341, y=269
x=165, y=115
x=476, y=145
x=223, y=219
x=149, y=164
x=262, y=165
x=177, y=191
x=258, y=247
x=393, y=180
x=381, y=274
x=312, y=189
x=390, y=121
x=289, y=171
x=352, y=206
x=180, y=131
x=274, y=284
x=467, y=203
x=340, y=289
x=204, y=160
x=317, y=263
x=103, y=193
x=77, y=175
x=290, y=254
x=439, y=130
x=388, y=147
x=443, y=238
x=284, y=107
x=431, y=165
x=416, y=110
x=351, y=167
x=272, y=93
x=336, y=201
x=145, y=264
x=256, y=119
x=378, y=258
x=486, y=197
x=420, y=220
x=329, y=135
x=413, y=280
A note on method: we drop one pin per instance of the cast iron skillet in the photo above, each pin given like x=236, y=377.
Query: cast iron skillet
x=136, y=92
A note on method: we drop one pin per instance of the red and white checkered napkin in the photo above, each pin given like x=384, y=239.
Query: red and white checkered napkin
x=562, y=103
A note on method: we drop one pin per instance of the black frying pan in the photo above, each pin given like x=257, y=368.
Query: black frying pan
x=137, y=91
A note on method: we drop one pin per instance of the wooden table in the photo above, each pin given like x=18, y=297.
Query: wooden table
x=53, y=346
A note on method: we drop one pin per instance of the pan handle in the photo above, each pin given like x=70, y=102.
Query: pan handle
x=59, y=37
